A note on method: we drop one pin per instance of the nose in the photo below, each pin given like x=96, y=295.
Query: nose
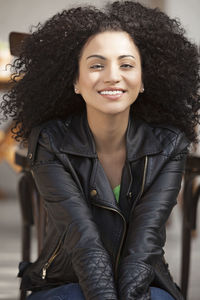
x=112, y=74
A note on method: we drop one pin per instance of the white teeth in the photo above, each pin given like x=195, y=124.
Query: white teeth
x=111, y=92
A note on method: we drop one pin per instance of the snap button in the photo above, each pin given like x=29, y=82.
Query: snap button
x=66, y=123
x=30, y=155
x=93, y=193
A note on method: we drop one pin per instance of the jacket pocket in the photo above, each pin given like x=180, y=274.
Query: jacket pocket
x=55, y=264
x=51, y=259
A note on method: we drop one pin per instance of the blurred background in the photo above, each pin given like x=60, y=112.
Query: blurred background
x=20, y=16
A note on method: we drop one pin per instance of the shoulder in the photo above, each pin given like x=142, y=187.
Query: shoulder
x=167, y=139
x=171, y=138
x=49, y=135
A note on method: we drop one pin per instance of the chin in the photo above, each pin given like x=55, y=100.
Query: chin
x=116, y=111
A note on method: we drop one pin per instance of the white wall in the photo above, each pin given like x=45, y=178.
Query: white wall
x=188, y=11
x=21, y=14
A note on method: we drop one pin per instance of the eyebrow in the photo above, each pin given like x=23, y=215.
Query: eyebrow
x=104, y=58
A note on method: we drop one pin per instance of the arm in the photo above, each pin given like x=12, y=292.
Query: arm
x=146, y=235
x=67, y=207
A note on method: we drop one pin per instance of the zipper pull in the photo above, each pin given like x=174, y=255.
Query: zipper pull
x=129, y=196
x=44, y=271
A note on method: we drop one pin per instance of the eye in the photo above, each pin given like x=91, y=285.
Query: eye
x=127, y=66
x=97, y=67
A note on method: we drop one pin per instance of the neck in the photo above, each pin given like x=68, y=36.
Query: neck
x=109, y=131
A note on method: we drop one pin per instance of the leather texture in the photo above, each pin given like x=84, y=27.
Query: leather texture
x=135, y=279
x=115, y=251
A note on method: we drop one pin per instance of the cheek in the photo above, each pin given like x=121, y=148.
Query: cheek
x=88, y=80
x=134, y=80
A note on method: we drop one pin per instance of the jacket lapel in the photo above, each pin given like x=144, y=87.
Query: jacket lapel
x=99, y=182
x=141, y=140
x=78, y=140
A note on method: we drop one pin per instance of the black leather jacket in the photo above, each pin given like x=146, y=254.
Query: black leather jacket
x=115, y=251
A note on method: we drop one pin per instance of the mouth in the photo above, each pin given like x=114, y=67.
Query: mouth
x=112, y=94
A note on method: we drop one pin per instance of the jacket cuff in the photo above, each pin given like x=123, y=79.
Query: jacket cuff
x=95, y=274
x=134, y=281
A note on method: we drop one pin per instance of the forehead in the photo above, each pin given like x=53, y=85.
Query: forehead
x=114, y=43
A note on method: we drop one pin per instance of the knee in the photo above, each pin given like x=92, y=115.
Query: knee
x=157, y=294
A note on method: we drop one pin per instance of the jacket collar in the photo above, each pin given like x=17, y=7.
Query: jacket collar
x=79, y=140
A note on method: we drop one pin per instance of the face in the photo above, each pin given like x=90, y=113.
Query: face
x=110, y=75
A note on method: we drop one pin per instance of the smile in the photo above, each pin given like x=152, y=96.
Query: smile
x=111, y=92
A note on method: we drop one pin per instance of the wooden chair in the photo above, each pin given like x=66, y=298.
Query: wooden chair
x=31, y=204
x=32, y=209
x=191, y=193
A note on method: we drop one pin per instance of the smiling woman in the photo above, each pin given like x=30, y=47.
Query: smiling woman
x=108, y=103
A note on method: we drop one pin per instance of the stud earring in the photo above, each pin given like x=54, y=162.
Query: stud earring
x=142, y=90
x=76, y=90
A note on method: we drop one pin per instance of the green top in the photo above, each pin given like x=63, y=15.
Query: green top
x=116, y=192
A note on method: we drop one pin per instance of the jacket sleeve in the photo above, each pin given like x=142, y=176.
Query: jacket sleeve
x=67, y=206
x=146, y=233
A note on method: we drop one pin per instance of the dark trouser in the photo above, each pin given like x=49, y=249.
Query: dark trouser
x=73, y=291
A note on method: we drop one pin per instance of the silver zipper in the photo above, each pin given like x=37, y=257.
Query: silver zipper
x=51, y=259
x=144, y=175
x=143, y=183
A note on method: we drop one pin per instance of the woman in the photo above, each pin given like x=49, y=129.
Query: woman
x=108, y=102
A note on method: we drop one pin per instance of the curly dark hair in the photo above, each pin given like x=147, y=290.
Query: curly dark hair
x=49, y=65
